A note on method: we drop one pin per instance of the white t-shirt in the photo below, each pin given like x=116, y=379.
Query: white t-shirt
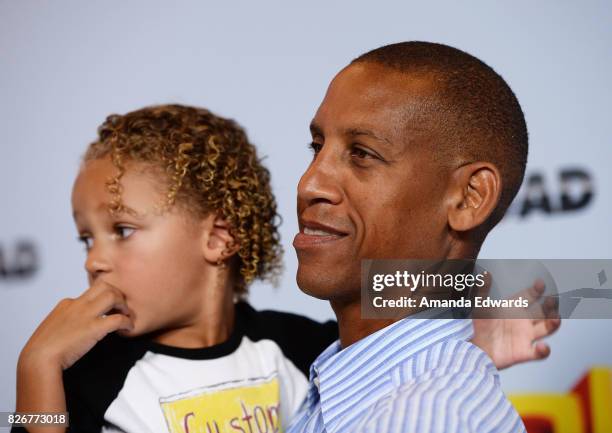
x=252, y=383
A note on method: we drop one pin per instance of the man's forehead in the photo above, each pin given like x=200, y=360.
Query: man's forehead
x=373, y=81
x=370, y=97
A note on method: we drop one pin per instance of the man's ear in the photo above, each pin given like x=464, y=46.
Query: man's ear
x=475, y=190
x=219, y=244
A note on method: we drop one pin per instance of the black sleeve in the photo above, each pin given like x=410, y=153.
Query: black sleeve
x=95, y=380
x=301, y=339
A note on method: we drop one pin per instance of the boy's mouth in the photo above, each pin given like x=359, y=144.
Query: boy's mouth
x=118, y=311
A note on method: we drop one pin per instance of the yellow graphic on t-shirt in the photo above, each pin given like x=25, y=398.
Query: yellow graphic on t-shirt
x=250, y=406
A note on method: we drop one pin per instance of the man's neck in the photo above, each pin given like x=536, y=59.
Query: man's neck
x=351, y=326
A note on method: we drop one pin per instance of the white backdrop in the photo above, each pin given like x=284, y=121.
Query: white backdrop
x=68, y=64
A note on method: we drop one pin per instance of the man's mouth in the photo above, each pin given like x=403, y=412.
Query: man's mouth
x=316, y=234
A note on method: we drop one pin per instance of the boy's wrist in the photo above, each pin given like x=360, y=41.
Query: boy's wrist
x=38, y=361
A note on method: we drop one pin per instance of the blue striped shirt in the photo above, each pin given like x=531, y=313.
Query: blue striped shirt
x=415, y=375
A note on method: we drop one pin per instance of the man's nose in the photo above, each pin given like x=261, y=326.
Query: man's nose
x=97, y=262
x=321, y=182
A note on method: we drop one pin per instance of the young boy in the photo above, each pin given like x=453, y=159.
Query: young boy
x=177, y=217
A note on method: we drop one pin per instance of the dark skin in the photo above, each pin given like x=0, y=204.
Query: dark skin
x=375, y=190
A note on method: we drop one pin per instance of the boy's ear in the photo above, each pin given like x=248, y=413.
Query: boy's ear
x=219, y=244
x=473, y=196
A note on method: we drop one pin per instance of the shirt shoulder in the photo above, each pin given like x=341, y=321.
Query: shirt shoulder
x=454, y=388
x=301, y=339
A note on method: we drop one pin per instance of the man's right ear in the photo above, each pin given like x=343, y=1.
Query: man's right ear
x=475, y=193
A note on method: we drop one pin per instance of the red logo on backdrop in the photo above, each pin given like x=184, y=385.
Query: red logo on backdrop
x=587, y=408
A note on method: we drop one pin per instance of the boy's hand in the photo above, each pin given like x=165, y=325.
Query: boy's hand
x=67, y=333
x=515, y=340
x=74, y=326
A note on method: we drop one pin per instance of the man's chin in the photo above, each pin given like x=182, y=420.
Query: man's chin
x=315, y=292
x=325, y=285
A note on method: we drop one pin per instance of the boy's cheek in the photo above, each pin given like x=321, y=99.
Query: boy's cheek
x=148, y=314
x=130, y=268
x=141, y=326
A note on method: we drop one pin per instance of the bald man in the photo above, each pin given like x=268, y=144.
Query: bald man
x=419, y=148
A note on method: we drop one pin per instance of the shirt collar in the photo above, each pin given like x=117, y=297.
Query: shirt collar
x=338, y=373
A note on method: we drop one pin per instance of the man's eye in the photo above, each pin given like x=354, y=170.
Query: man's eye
x=86, y=240
x=124, y=232
x=360, y=153
x=315, y=147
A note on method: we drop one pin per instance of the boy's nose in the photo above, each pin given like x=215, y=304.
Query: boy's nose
x=96, y=264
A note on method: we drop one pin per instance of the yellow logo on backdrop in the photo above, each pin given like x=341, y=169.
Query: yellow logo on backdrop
x=587, y=408
x=250, y=406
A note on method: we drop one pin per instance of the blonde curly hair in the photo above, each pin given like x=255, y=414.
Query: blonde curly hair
x=210, y=166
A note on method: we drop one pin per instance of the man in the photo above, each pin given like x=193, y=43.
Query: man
x=419, y=148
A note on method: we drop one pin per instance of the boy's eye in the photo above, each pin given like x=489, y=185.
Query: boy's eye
x=86, y=240
x=124, y=232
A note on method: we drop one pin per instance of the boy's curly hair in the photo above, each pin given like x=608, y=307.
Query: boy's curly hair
x=211, y=167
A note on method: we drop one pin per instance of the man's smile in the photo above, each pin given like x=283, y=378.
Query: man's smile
x=313, y=233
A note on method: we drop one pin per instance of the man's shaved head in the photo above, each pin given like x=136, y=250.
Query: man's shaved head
x=418, y=150
x=472, y=113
